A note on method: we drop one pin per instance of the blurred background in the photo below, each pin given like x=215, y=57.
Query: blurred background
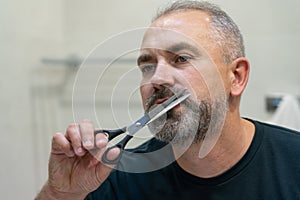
x=42, y=46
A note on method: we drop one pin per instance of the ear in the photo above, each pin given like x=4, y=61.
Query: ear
x=240, y=69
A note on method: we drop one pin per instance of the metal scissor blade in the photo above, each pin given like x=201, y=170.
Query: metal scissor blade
x=155, y=111
x=158, y=110
x=169, y=107
x=138, y=125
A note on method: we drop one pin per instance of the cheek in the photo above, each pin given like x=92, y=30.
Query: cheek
x=196, y=85
x=224, y=82
x=146, y=91
x=210, y=82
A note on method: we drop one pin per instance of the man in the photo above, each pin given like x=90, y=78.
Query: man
x=192, y=45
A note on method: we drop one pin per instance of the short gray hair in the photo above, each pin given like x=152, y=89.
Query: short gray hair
x=223, y=29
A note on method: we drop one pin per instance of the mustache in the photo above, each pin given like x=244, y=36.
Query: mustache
x=166, y=92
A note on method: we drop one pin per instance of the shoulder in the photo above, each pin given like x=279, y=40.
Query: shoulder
x=278, y=138
x=277, y=131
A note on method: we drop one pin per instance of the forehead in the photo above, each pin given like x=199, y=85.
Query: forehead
x=189, y=28
x=182, y=17
x=182, y=25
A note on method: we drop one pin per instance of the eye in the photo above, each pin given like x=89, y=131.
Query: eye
x=182, y=59
x=147, y=68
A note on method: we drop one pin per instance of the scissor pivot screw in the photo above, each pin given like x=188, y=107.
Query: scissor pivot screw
x=138, y=124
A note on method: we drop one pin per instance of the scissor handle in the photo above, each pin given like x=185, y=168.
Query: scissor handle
x=120, y=145
x=111, y=133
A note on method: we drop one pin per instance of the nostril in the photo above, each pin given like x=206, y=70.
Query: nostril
x=158, y=87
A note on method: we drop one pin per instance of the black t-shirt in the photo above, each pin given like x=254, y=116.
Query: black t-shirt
x=269, y=170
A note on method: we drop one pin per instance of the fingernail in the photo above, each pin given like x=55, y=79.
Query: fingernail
x=88, y=143
x=79, y=150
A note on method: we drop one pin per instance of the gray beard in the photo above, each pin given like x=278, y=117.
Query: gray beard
x=185, y=127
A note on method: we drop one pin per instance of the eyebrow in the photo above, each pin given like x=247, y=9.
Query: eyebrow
x=183, y=46
x=175, y=48
x=144, y=58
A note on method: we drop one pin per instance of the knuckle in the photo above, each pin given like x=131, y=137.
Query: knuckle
x=72, y=125
x=87, y=121
x=101, y=140
x=56, y=137
x=72, y=129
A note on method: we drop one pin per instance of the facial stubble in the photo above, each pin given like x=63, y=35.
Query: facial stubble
x=183, y=126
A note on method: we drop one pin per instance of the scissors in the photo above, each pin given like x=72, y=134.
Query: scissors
x=133, y=128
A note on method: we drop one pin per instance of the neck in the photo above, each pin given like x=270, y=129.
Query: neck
x=231, y=146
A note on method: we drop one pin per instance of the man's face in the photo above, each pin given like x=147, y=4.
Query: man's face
x=176, y=53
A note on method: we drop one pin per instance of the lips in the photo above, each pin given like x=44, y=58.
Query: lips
x=158, y=97
x=156, y=102
x=159, y=101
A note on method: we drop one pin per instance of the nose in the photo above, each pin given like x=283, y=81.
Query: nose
x=163, y=76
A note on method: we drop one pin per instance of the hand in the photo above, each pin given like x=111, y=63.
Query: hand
x=74, y=166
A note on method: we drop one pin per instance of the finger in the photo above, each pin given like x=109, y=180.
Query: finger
x=73, y=135
x=98, y=153
x=60, y=145
x=87, y=133
x=111, y=156
x=101, y=140
x=113, y=153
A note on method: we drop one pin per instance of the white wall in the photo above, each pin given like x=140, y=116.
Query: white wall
x=31, y=30
x=271, y=31
x=28, y=31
